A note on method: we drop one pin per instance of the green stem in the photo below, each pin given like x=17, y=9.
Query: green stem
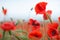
x=17, y=23
x=48, y=38
x=10, y=33
x=49, y=17
x=3, y=35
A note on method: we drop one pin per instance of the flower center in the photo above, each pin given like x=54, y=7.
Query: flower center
x=53, y=32
x=36, y=35
x=35, y=24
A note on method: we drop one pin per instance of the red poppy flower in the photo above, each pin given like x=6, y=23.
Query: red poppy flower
x=7, y=26
x=40, y=7
x=53, y=25
x=45, y=17
x=57, y=37
x=35, y=24
x=49, y=12
x=4, y=11
x=59, y=19
x=37, y=27
x=35, y=33
x=52, y=32
x=0, y=35
x=31, y=21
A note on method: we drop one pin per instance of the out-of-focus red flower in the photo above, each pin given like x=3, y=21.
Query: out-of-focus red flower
x=31, y=21
x=35, y=33
x=45, y=17
x=7, y=26
x=49, y=12
x=53, y=25
x=52, y=32
x=40, y=7
x=0, y=35
x=57, y=37
x=59, y=19
x=35, y=24
x=4, y=11
x=36, y=28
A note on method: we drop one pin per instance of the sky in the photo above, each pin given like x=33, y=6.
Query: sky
x=20, y=9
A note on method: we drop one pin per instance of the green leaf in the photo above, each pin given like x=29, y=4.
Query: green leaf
x=21, y=31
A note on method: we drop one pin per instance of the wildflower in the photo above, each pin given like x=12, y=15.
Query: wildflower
x=4, y=11
x=0, y=35
x=49, y=12
x=40, y=7
x=52, y=32
x=53, y=25
x=35, y=33
x=35, y=24
x=7, y=26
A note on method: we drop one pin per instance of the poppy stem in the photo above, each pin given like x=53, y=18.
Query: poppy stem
x=49, y=17
x=3, y=35
x=48, y=38
x=10, y=33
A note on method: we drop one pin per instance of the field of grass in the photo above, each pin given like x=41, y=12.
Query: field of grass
x=22, y=31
